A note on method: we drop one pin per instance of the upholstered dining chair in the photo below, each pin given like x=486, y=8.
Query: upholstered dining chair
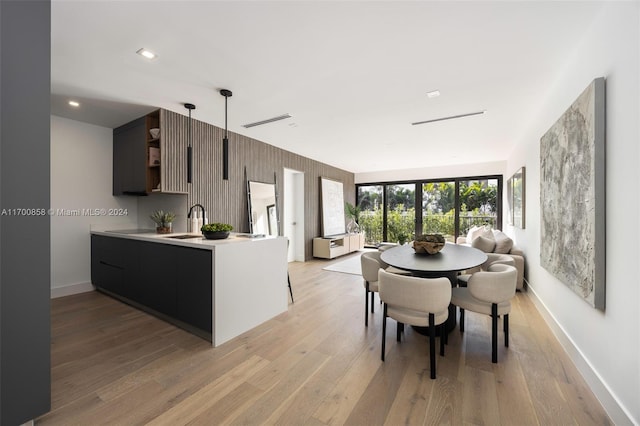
x=492, y=258
x=490, y=293
x=384, y=265
x=416, y=301
x=370, y=263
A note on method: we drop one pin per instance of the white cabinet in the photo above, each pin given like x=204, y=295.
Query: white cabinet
x=328, y=248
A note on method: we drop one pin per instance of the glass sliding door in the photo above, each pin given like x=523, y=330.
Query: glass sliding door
x=371, y=203
x=397, y=211
x=400, y=212
x=479, y=204
x=438, y=209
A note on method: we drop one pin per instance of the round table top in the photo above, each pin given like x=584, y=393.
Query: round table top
x=452, y=258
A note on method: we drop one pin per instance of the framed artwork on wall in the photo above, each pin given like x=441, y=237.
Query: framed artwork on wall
x=572, y=198
x=332, y=201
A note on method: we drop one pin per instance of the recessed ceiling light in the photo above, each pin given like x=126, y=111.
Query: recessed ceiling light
x=74, y=103
x=433, y=94
x=146, y=53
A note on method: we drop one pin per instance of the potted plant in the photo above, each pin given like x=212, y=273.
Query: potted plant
x=402, y=238
x=216, y=231
x=163, y=221
x=353, y=214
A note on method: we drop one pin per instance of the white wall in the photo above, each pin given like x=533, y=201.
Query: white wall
x=604, y=345
x=175, y=203
x=81, y=178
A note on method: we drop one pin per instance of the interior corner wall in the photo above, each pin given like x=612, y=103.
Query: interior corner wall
x=25, y=320
x=603, y=344
x=81, y=197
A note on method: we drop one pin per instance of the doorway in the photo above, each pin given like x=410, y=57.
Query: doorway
x=293, y=218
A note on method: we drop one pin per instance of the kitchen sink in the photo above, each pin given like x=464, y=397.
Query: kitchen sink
x=184, y=237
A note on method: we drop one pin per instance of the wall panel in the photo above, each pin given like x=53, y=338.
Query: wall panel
x=226, y=200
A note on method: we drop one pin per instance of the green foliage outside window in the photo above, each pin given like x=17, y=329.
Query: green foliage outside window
x=478, y=199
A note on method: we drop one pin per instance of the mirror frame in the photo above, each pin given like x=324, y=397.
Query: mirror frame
x=275, y=205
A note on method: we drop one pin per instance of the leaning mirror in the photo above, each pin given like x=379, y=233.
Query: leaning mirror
x=263, y=210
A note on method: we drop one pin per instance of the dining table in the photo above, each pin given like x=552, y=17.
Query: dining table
x=452, y=259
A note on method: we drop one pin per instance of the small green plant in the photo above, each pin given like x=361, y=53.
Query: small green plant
x=161, y=218
x=352, y=212
x=216, y=227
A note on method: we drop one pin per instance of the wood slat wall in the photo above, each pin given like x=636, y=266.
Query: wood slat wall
x=226, y=200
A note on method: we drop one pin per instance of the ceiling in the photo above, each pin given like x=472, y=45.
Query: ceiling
x=353, y=75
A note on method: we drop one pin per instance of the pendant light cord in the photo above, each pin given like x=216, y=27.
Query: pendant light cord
x=189, y=147
x=225, y=141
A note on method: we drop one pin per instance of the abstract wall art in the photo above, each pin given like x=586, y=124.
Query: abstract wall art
x=572, y=196
x=332, y=201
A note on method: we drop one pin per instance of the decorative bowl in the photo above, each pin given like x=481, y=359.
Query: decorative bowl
x=155, y=132
x=429, y=243
x=215, y=235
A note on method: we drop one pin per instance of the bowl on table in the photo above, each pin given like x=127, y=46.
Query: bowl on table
x=429, y=243
x=215, y=235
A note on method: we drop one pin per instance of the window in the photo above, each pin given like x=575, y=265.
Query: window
x=397, y=211
x=369, y=199
x=438, y=209
x=478, y=204
x=401, y=212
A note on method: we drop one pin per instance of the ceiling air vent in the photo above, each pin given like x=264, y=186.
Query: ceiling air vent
x=449, y=118
x=268, y=120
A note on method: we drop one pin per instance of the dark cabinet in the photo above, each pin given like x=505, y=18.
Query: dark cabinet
x=194, y=297
x=136, y=157
x=129, y=155
x=158, y=276
x=172, y=280
x=107, y=267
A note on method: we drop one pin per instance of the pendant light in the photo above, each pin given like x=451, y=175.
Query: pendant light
x=189, y=147
x=225, y=142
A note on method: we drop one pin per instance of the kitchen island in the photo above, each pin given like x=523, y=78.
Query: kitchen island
x=217, y=289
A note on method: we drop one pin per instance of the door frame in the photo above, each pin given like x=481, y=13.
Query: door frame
x=293, y=214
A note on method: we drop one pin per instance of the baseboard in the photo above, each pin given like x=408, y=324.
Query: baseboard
x=619, y=415
x=70, y=289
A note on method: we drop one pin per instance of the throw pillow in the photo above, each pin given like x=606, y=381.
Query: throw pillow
x=503, y=242
x=484, y=244
x=473, y=231
x=478, y=231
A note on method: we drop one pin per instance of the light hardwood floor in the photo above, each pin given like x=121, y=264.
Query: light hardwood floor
x=316, y=364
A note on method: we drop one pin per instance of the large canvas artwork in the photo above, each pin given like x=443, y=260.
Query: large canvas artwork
x=572, y=240
x=332, y=200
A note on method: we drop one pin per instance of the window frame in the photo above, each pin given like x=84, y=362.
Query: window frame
x=418, y=183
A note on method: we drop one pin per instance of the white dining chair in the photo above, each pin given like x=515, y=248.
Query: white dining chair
x=370, y=263
x=490, y=293
x=492, y=258
x=416, y=301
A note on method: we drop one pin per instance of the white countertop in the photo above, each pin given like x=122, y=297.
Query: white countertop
x=199, y=243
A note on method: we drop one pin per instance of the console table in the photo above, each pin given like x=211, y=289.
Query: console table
x=338, y=245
